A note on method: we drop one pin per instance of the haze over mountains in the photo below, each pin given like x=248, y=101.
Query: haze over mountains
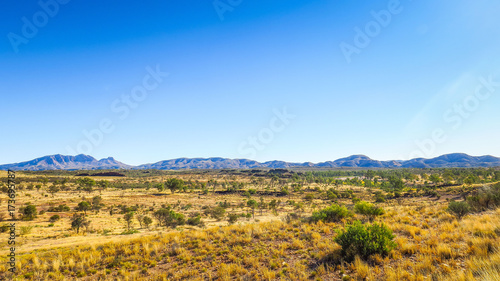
x=86, y=162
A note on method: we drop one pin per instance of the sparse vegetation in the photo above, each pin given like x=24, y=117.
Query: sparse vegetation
x=320, y=228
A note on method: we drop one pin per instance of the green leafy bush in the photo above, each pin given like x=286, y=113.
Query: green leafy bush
x=363, y=241
x=168, y=217
x=232, y=218
x=333, y=213
x=459, y=209
x=195, y=220
x=54, y=218
x=485, y=198
x=367, y=209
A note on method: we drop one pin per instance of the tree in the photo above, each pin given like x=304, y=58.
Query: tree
x=435, y=179
x=86, y=183
x=147, y=221
x=97, y=203
x=169, y=217
x=83, y=206
x=160, y=187
x=262, y=205
x=78, y=221
x=53, y=189
x=396, y=182
x=252, y=204
x=128, y=219
x=174, y=184
x=273, y=206
x=103, y=184
x=140, y=219
x=28, y=212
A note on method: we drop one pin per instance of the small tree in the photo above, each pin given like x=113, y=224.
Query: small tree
x=169, y=217
x=459, y=209
x=160, y=187
x=262, y=205
x=252, y=204
x=147, y=221
x=28, y=212
x=83, y=206
x=53, y=189
x=128, y=219
x=97, y=203
x=86, y=182
x=140, y=219
x=78, y=221
x=174, y=184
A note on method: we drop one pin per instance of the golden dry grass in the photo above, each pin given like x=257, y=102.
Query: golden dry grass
x=431, y=243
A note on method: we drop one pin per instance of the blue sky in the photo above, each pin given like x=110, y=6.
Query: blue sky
x=424, y=82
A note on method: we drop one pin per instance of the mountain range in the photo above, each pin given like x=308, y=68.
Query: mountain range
x=86, y=162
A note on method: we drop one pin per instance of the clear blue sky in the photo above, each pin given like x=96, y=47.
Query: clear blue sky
x=231, y=67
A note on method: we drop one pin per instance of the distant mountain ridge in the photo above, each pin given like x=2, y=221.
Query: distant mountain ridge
x=65, y=162
x=86, y=162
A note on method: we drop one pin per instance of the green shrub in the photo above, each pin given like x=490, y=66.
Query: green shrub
x=333, y=213
x=195, y=220
x=369, y=210
x=54, y=218
x=167, y=217
x=363, y=241
x=26, y=230
x=232, y=218
x=459, y=209
x=129, y=232
x=485, y=198
x=380, y=198
x=217, y=213
x=309, y=197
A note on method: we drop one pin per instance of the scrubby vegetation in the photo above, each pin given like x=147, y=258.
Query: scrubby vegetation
x=405, y=224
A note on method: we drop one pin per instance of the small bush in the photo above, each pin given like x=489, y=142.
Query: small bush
x=26, y=230
x=369, y=210
x=129, y=232
x=380, y=198
x=459, y=209
x=232, y=218
x=333, y=213
x=195, y=220
x=169, y=218
x=217, y=213
x=309, y=197
x=54, y=218
x=364, y=241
